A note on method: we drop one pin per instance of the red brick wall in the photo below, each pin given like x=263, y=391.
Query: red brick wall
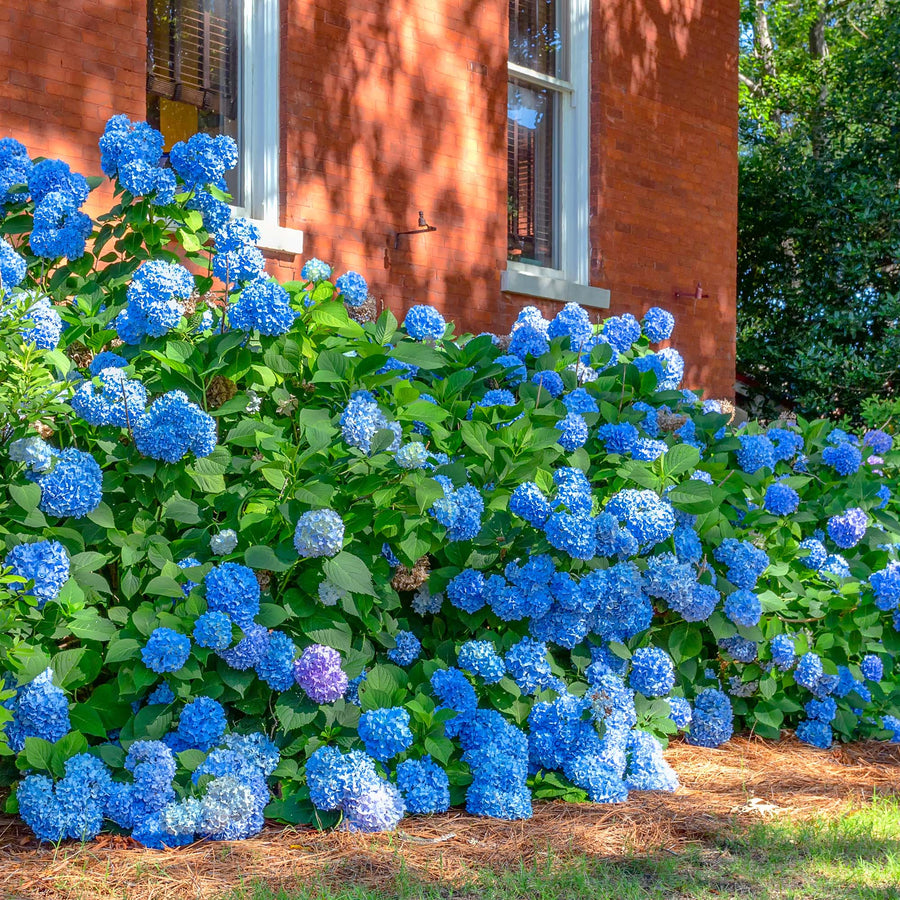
x=66, y=66
x=393, y=106
x=664, y=170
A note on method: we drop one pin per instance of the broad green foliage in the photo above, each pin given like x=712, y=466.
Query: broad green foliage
x=818, y=281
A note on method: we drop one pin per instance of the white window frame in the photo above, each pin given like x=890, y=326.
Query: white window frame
x=571, y=281
x=259, y=125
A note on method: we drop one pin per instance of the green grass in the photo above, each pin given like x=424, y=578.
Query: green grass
x=842, y=858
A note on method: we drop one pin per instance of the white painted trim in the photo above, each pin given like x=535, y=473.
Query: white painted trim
x=532, y=76
x=282, y=240
x=260, y=109
x=518, y=280
x=572, y=226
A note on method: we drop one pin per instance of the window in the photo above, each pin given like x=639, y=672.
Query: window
x=548, y=147
x=212, y=65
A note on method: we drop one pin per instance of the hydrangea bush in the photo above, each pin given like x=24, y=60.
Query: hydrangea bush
x=266, y=556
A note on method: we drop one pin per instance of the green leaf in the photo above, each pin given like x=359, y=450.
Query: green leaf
x=262, y=557
x=102, y=516
x=76, y=668
x=26, y=496
x=475, y=435
x=350, y=573
x=88, y=625
x=180, y=510
x=294, y=712
x=680, y=458
x=122, y=650
x=38, y=753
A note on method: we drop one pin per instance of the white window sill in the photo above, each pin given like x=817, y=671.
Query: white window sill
x=279, y=240
x=548, y=287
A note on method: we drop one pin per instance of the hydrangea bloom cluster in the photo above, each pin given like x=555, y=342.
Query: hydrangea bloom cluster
x=39, y=709
x=318, y=672
x=262, y=305
x=847, y=530
x=166, y=650
x=406, y=650
x=113, y=399
x=319, y=532
x=73, y=484
x=362, y=419
x=45, y=564
x=174, y=426
x=459, y=510
x=156, y=299
x=424, y=323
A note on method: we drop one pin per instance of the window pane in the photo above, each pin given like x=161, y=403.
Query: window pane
x=534, y=38
x=530, y=205
x=193, y=70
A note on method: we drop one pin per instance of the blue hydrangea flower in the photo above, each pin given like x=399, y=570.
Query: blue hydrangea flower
x=815, y=553
x=872, y=667
x=276, y=665
x=482, y=660
x=124, y=141
x=527, y=664
x=618, y=437
x=73, y=486
x=809, y=671
x=319, y=532
x=781, y=499
x=574, y=432
x=155, y=300
x=172, y=427
x=652, y=672
x=745, y=562
x=580, y=401
x=515, y=372
x=549, y=381
x=424, y=785
x=783, y=653
x=15, y=170
x=454, y=691
x=886, y=585
x=650, y=518
x=572, y=534
x=115, y=400
x=681, y=713
x=362, y=418
x=529, y=502
x=880, y=441
x=741, y=649
x=249, y=650
x=40, y=709
x=756, y=452
x=573, y=322
x=166, y=650
x=318, y=672
x=162, y=695
x=315, y=270
x=848, y=530
x=203, y=159
x=823, y=710
x=406, y=650
x=202, y=724
x=54, y=176
x=385, y=732
x=413, y=455
x=674, y=366
x=424, y=323
x=647, y=769
x=233, y=589
x=657, y=324
x=622, y=331
x=60, y=228
x=263, y=305
x=712, y=723
x=528, y=340
x=815, y=732
x=466, y=591
x=353, y=289
x=844, y=458
x=12, y=266
x=459, y=510
x=45, y=563
x=743, y=608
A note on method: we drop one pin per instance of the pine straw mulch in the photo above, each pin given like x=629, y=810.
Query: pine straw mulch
x=743, y=781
